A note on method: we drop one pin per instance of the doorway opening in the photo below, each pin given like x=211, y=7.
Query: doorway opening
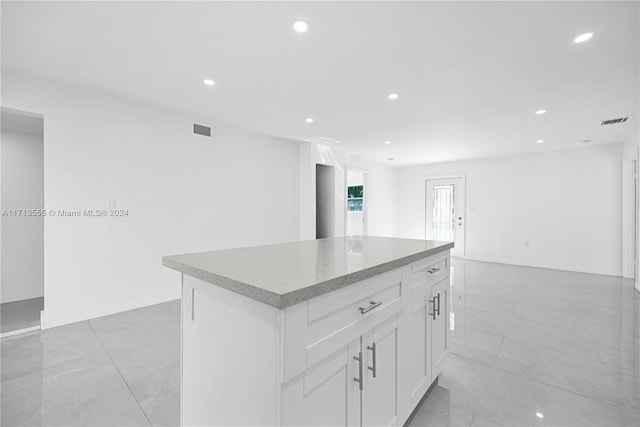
x=325, y=201
x=356, y=202
x=445, y=208
x=22, y=222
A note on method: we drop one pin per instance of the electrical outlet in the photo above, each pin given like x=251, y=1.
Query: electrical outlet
x=187, y=302
x=113, y=203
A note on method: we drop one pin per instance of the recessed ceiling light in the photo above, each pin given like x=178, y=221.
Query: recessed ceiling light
x=209, y=82
x=583, y=37
x=387, y=142
x=424, y=157
x=539, y=415
x=586, y=140
x=540, y=141
x=389, y=158
x=309, y=120
x=393, y=96
x=300, y=26
x=539, y=112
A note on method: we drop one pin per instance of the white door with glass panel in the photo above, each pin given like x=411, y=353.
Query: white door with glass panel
x=356, y=209
x=445, y=212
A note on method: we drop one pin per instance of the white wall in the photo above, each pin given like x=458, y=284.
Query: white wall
x=22, y=236
x=184, y=193
x=381, y=191
x=566, y=204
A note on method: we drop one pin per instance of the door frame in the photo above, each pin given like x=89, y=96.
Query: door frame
x=365, y=184
x=463, y=177
x=630, y=218
x=5, y=109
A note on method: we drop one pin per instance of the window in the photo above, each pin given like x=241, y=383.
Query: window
x=444, y=213
x=355, y=198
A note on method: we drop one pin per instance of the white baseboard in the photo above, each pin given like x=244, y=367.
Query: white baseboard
x=50, y=319
x=616, y=273
x=20, y=331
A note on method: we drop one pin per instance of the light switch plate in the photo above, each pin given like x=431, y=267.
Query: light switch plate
x=187, y=301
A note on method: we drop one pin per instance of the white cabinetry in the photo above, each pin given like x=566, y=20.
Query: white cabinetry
x=329, y=384
x=362, y=355
x=423, y=280
x=356, y=385
x=439, y=296
x=417, y=376
x=380, y=375
x=347, y=335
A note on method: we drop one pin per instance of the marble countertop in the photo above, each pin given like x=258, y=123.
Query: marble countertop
x=289, y=273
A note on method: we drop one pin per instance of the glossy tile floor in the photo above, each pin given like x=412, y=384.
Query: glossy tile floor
x=530, y=347
x=120, y=370
x=539, y=347
x=20, y=314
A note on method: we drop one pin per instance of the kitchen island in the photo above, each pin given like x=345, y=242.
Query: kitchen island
x=338, y=331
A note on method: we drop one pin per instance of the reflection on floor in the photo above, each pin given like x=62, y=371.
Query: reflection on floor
x=20, y=314
x=119, y=370
x=530, y=347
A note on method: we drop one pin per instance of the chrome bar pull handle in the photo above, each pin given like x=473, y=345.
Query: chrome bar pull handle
x=433, y=270
x=372, y=347
x=359, y=378
x=433, y=313
x=437, y=310
x=373, y=305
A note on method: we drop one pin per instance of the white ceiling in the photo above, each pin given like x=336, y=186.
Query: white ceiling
x=470, y=74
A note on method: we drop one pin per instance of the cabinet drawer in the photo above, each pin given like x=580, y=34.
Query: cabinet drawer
x=350, y=298
x=322, y=325
x=431, y=270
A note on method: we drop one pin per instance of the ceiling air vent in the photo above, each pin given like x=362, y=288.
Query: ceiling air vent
x=201, y=130
x=614, y=121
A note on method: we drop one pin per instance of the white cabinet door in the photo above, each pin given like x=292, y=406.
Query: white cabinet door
x=417, y=370
x=325, y=394
x=380, y=386
x=439, y=302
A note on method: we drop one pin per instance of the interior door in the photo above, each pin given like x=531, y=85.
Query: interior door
x=380, y=388
x=445, y=212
